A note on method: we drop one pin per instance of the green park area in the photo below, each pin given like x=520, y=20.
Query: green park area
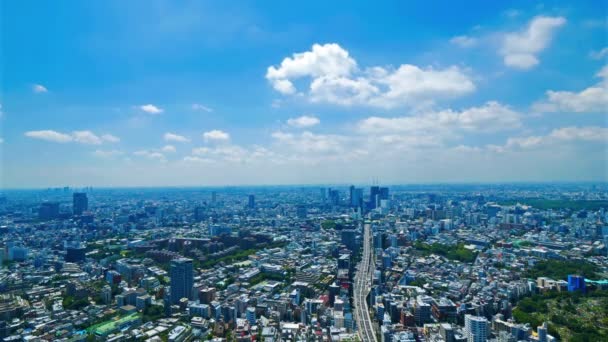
x=571, y=316
x=546, y=204
x=456, y=252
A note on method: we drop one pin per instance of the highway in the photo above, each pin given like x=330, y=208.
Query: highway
x=362, y=286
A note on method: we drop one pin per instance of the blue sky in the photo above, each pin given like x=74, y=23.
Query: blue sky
x=145, y=93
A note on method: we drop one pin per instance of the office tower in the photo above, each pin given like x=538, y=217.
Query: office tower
x=476, y=328
x=576, y=283
x=323, y=194
x=199, y=213
x=80, y=203
x=334, y=197
x=182, y=279
x=301, y=211
x=74, y=251
x=48, y=211
x=206, y=295
x=251, y=316
x=351, y=191
x=374, y=192
x=382, y=193
x=349, y=239
x=251, y=202
x=213, y=196
x=542, y=332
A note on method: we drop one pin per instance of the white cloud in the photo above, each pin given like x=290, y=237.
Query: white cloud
x=603, y=53
x=110, y=138
x=86, y=137
x=557, y=136
x=83, y=137
x=591, y=99
x=323, y=60
x=195, y=159
x=520, y=49
x=230, y=153
x=592, y=133
x=198, y=106
x=150, y=155
x=168, y=148
x=39, y=88
x=108, y=154
x=490, y=117
x=151, y=109
x=335, y=78
x=308, y=142
x=49, y=135
x=175, y=137
x=464, y=41
x=216, y=135
x=303, y=121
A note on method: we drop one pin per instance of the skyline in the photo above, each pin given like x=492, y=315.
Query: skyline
x=143, y=94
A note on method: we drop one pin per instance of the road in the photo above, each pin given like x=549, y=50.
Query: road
x=363, y=280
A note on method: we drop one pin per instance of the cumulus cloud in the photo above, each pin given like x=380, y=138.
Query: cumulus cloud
x=108, y=153
x=39, y=88
x=335, y=78
x=198, y=106
x=230, y=153
x=490, y=117
x=151, y=109
x=169, y=148
x=303, y=121
x=86, y=137
x=216, y=135
x=556, y=136
x=49, y=135
x=591, y=99
x=175, y=137
x=83, y=137
x=601, y=54
x=110, y=138
x=464, y=41
x=520, y=49
x=154, y=155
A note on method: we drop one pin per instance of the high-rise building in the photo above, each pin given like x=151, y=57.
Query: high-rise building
x=182, y=279
x=199, y=213
x=542, y=332
x=374, y=192
x=74, y=251
x=251, y=202
x=213, y=197
x=349, y=239
x=382, y=194
x=301, y=211
x=80, y=203
x=48, y=211
x=476, y=328
x=356, y=197
x=576, y=283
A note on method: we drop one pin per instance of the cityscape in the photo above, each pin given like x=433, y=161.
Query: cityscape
x=303, y=171
x=512, y=262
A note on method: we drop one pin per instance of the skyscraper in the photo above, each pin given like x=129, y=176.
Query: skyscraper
x=476, y=328
x=48, y=211
x=251, y=202
x=80, y=203
x=182, y=279
x=374, y=192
